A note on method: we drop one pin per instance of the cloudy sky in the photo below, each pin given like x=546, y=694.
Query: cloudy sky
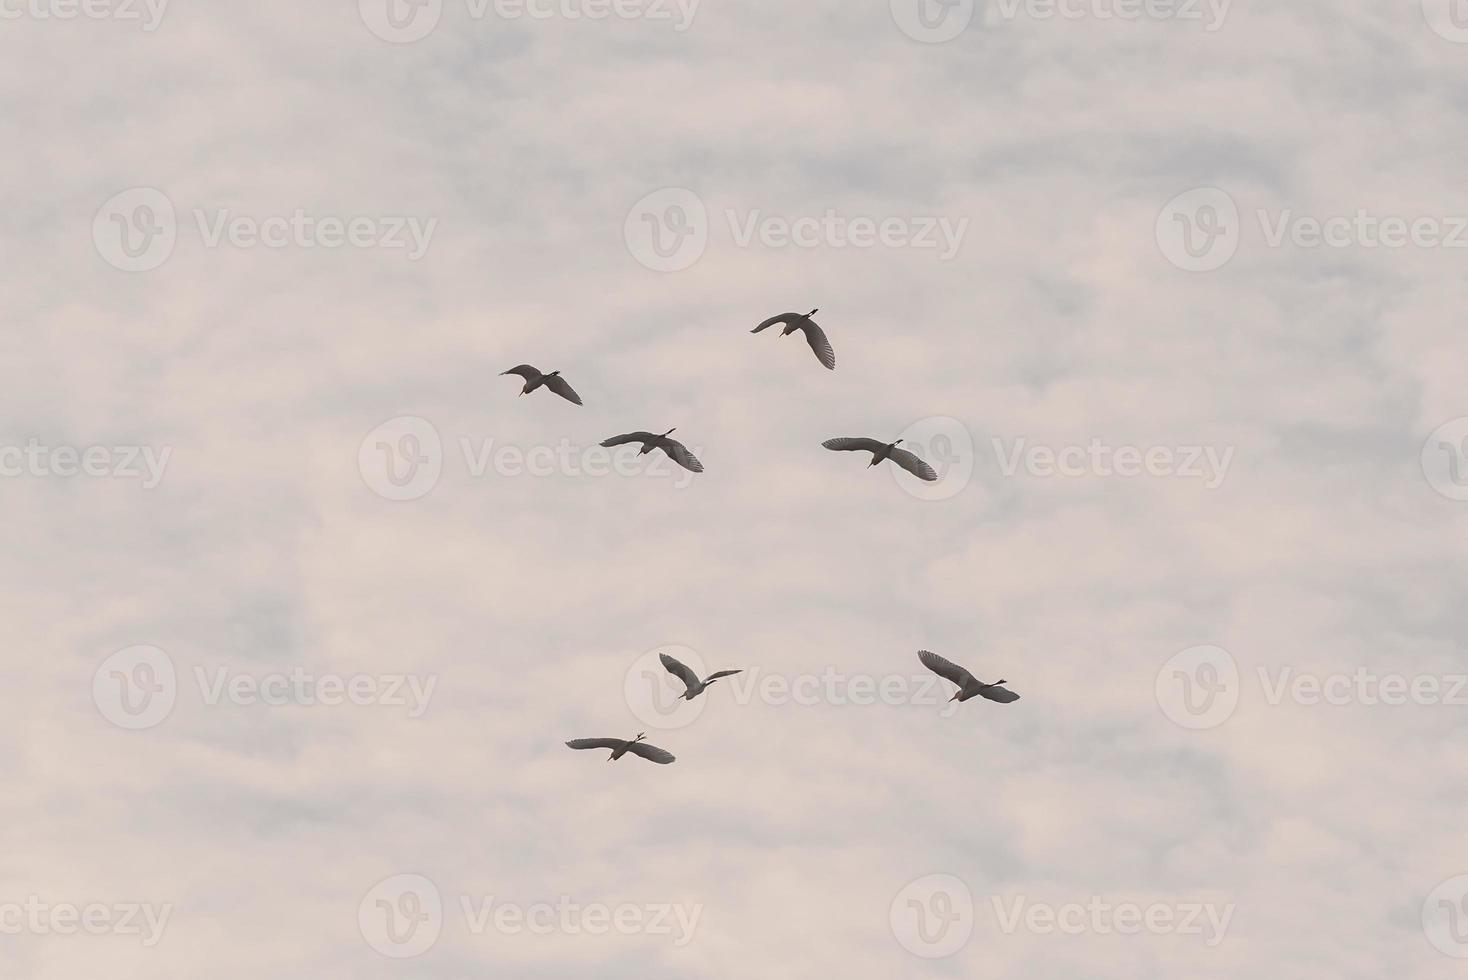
x=303, y=600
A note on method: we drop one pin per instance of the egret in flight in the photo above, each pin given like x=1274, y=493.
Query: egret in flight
x=814, y=335
x=621, y=746
x=968, y=685
x=884, y=450
x=690, y=680
x=534, y=379
x=650, y=440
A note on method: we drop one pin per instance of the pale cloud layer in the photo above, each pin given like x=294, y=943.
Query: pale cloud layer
x=1185, y=286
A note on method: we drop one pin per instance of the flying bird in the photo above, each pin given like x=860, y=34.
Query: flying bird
x=676, y=450
x=813, y=333
x=968, y=684
x=621, y=746
x=690, y=679
x=885, y=450
x=534, y=379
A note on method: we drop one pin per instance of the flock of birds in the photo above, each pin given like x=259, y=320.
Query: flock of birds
x=968, y=685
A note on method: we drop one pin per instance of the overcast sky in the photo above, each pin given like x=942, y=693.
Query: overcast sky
x=302, y=599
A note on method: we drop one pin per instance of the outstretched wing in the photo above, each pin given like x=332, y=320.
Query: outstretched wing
x=558, y=384
x=523, y=370
x=596, y=743
x=946, y=669
x=1001, y=694
x=629, y=437
x=818, y=343
x=680, y=455
x=913, y=465
x=724, y=673
x=651, y=753
x=680, y=670
x=775, y=321
x=848, y=445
